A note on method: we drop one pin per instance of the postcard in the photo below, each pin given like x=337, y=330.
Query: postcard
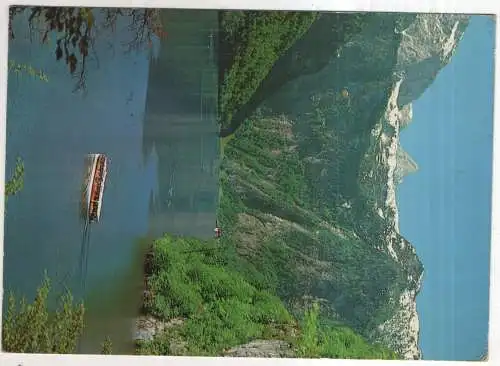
x=248, y=183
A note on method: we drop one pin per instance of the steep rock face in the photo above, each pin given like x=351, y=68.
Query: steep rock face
x=262, y=348
x=427, y=46
x=402, y=329
x=406, y=116
x=404, y=165
x=329, y=227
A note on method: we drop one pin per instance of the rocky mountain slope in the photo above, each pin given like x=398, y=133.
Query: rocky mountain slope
x=309, y=181
x=426, y=47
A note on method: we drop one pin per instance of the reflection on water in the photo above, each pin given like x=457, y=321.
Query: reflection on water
x=161, y=139
x=113, y=305
x=181, y=122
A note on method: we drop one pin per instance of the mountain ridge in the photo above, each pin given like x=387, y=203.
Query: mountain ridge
x=443, y=32
x=309, y=174
x=328, y=133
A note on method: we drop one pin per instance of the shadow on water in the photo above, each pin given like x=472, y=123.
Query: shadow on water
x=181, y=121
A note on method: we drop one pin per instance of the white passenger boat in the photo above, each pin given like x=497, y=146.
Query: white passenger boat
x=93, y=186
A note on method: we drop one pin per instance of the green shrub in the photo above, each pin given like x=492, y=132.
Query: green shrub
x=106, y=346
x=16, y=183
x=335, y=341
x=219, y=307
x=30, y=328
x=19, y=69
x=308, y=345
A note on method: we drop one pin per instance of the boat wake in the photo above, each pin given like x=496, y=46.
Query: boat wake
x=91, y=205
x=84, y=254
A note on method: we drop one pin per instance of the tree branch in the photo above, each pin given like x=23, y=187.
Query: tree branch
x=77, y=31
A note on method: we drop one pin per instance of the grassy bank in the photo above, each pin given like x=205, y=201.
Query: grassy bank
x=216, y=308
x=223, y=143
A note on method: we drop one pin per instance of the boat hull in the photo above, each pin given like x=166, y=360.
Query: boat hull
x=93, y=186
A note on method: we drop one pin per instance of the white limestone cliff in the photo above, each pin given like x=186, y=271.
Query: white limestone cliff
x=426, y=47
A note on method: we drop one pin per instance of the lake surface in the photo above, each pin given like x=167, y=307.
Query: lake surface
x=156, y=121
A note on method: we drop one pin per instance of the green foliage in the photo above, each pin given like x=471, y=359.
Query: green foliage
x=308, y=344
x=335, y=341
x=107, y=346
x=159, y=346
x=251, y=43
x=16, y=183
x=316, y=39
x=230, y=322
x=19, y=69
x=30, y=328
x=219, y=307
x=270, y=174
